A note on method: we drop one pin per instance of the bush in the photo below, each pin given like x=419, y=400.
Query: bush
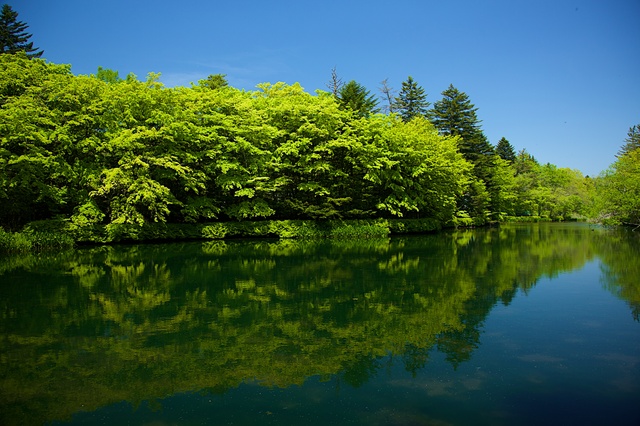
x=33, y=241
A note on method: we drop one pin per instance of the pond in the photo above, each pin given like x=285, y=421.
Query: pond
x=519, y=324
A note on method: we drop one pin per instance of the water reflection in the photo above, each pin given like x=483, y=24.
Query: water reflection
x=96, y=326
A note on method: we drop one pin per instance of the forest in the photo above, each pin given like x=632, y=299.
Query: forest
x=103, y=151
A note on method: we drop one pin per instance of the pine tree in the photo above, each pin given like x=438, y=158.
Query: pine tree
x=455, y=115
x=214, y=81
x=632, y=142
x=411, y=101
x=357, y=98
x=505, y=150
x=13, y=35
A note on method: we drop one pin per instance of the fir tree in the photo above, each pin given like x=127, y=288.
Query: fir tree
x=411, y=101
x=455, y=115
x=505, y=150
x=632, y=142
x=214, y=81
x=357, y=98
x=13, y=34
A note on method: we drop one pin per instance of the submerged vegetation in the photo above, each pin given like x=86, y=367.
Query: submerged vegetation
x=100, y=154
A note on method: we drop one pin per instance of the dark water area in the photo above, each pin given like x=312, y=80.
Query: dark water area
x=520, y=324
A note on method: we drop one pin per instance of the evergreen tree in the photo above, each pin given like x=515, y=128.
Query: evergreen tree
x=632, y=142
x=13, y=35
x=455, y=115
x=357, y=98
x=214, y=81
x=505, y=150
x=411, y=101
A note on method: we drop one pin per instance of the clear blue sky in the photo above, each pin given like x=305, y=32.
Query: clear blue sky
x=558, y=78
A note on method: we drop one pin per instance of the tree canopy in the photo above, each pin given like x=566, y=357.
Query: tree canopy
x=101, y=150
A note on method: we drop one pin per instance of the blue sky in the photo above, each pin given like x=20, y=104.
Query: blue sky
x=558, y=78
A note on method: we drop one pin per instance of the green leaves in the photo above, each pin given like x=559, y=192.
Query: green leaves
x=101, y=150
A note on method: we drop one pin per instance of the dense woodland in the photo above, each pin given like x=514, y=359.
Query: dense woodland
x=101, y=149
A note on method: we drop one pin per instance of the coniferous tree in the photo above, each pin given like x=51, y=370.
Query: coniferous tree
x=455, y=115
x=214, y=81
x=632, y=142
x=357, y=98
x=411, y=101
x=13, y=34
x=505, y=150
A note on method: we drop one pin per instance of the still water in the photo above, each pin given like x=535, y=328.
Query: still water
x=517, y=325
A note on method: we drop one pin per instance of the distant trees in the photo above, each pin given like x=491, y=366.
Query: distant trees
x=13, y=34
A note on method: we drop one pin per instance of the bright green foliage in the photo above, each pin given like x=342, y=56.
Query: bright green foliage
x=99, y=150
x=107, y=75
x=505, y=150
x=549, y=191
x=357, y=98
x=619, y=190
x=13, y=34
x=411, y=101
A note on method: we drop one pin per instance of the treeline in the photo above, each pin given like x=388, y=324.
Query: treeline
x=103, y=150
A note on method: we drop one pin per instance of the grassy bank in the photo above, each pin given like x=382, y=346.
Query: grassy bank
x=61, y=234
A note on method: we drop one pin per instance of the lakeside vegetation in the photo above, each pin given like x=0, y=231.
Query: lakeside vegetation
x=107, y=159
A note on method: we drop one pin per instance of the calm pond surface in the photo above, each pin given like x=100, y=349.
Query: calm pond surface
x=517, y=325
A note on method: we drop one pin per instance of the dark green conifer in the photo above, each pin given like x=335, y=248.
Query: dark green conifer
x=411, y=101
x=632, y=142
x=357, y=98
x=13, y=34
x=505, y=150
x=455, y=115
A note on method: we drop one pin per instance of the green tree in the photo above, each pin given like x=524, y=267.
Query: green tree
x=455, y=115
x=357, y=98
x=632, y=141
x=214, y=81
x=13, y=34
x=619, y=191
x=505, y=150
x=107, y=75
x=411, y=100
